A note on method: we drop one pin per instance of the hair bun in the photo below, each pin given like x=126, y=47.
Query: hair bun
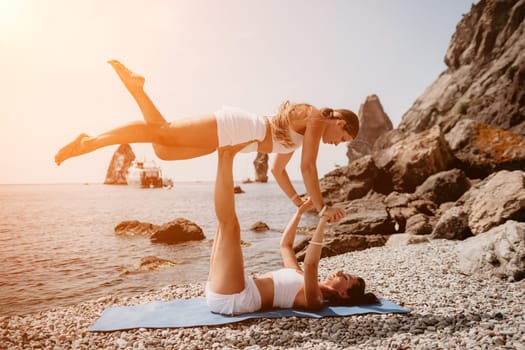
x=327, y=112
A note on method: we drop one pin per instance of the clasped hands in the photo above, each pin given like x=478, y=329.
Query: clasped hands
x=330, y=214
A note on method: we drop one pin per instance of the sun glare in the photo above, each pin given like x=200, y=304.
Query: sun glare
x=12, y=18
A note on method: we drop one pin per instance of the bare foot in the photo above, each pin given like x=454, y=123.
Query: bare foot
x=131, y=80
x=72, y=149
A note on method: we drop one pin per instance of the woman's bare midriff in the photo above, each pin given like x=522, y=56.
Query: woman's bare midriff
x=264, y=284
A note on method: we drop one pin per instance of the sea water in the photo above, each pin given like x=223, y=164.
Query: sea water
x=58, y=246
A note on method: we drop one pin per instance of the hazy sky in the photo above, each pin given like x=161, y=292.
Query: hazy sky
x=198, y=55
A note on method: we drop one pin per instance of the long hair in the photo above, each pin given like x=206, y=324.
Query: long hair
x=356, y=296
x=281, y=121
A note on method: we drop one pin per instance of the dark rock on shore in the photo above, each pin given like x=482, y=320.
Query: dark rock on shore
x=445, y=186
x=410, y=161
x=501, y=251
x=177, y=231
x=498, y=198
x=453, y=224
x=349, y=182
x=365, y=216
x=259, y=226
x=482, y=149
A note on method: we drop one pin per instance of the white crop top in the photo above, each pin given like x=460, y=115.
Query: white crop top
x=286, y=284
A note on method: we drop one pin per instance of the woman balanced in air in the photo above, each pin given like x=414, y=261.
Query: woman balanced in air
x=293, y=126
x=231, y=291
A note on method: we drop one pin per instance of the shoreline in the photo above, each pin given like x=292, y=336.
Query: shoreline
x=446, y=310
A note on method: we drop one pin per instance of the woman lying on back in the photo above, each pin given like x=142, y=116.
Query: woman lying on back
x=230, y=290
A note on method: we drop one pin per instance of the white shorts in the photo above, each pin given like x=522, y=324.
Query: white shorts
x=235, y=126
x=249, y=300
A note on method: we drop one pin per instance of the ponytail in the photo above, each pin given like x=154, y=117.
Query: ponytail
x=327, y=112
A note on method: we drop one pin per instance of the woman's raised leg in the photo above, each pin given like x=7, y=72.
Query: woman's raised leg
x=135, y=85
x=226, y=262
x=185, y=139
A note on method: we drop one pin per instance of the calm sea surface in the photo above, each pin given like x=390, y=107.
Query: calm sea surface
x=58, y=247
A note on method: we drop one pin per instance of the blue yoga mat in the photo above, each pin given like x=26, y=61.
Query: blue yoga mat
x=194, y=312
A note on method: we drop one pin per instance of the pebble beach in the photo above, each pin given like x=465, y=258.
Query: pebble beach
x=447, y=310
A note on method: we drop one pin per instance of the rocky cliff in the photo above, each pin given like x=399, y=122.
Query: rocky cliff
x=485, y=78
x=454, y=167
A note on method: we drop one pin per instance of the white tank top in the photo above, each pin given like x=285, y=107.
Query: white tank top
x=286, y=284
x=297, y=139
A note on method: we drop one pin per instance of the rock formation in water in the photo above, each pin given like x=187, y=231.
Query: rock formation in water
x=259, y=226
x=118, y=167
x=177, y=231
x=455, y=166
x=261, y=167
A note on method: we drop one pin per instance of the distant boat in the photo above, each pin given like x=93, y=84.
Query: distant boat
x=145, y=174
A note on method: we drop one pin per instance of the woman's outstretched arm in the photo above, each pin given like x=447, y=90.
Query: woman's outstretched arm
x=283, y=180
x=311, y=141
x=287, y=240
x=312, y=291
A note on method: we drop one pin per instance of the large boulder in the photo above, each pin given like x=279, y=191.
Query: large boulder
x=177, y=231
x=445, y=186
x=419, y=224
x=349, y=182
x=373, y=122
x=482, y=149
x=499, y=252
x=496, y=199
x=410, y=213
x=411, y=161
x=118, y=167
x=453, y=224
x=364, y=216
x=485, y=75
